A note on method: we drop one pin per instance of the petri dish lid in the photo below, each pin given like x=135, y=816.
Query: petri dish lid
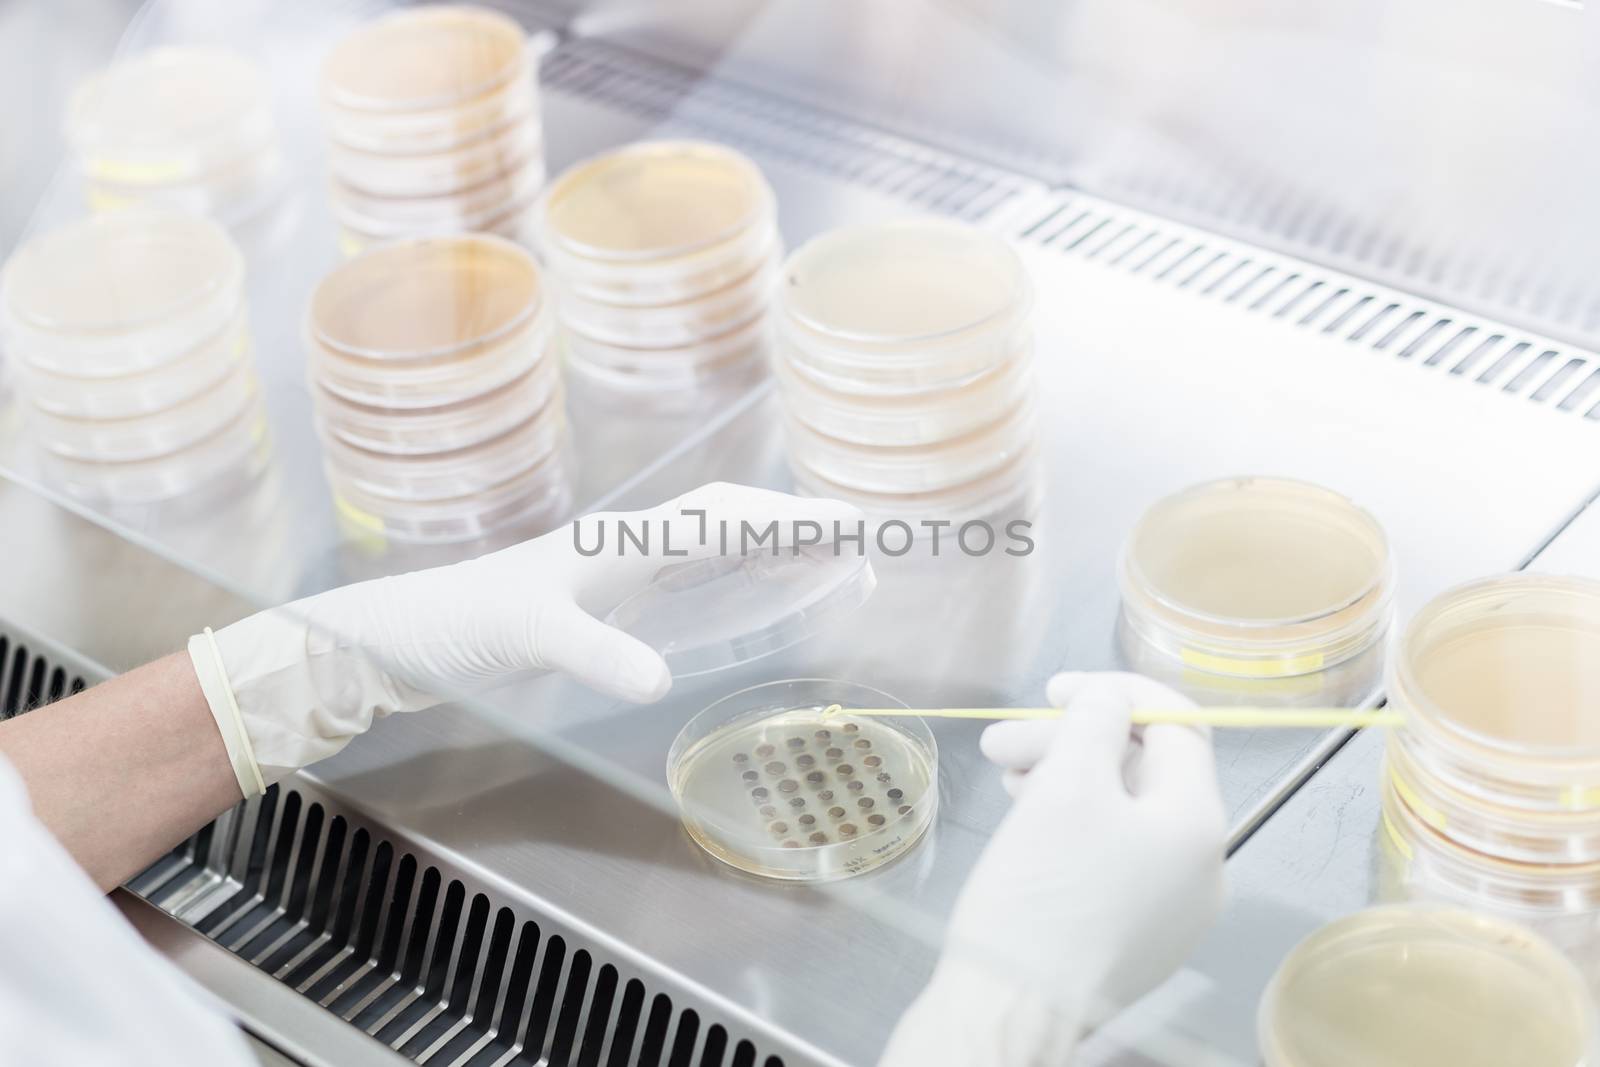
x=1413, y=984
x=169, y=114
x=1258, y=577
x=426, y=57
x=426, y=298
x=706, y=615
x=1510, y=666
x=903, y=283
x=119, y=272
x=654, y=200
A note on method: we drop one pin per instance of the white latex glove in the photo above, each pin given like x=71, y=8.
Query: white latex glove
x=77, y=984
x=1094, y=888
x=293, y=685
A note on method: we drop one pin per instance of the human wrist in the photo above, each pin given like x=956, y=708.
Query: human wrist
x=971, y=1013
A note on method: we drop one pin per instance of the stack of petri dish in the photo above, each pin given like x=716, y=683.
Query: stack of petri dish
x=190, y=129
x=664, y=255
x=1492, y=788
x=904, y=357
x=438, y=401
x=1270, y=586
x=1406, y=985
x=432, y=116
x=130, y=338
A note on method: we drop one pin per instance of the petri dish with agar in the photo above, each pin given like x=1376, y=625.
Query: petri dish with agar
x=1498, y=679
x=770, y=784
x=425, y=58
x=1012, y=487
x=239, y=450
x=706, y=615
x=1404, y=985
x=151, y=435
x=185, y=128
x=902, y=307
x=668, y=326
x=927, y=468
x=913, y=418
x=442, y=428
x=656, y=202
x=431, y=298
x=425, y=174
x=130, y=395
x=120, y=294
x=1257, y=578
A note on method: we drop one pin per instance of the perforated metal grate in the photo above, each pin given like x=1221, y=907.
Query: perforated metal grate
x=770, y=126
x=30, y=679
x=440, y=971
x=1308, y=297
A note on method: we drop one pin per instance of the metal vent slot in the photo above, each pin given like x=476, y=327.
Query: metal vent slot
x=28, y=680
x=770, y=126
x=439, y=971
x=1307, y=297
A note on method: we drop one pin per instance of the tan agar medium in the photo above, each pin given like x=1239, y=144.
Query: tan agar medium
x=427, y=298
x=902, y=283
x=427, y=57
x=654, y=200
x=1406, y=985
x=1258, y=577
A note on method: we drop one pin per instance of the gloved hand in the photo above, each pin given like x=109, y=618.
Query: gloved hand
x=1095, y=887
x=291, y=686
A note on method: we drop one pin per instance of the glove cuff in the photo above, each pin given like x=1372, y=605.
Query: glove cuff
x=206, y=658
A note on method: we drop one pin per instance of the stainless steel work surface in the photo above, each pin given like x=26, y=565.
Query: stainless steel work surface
x=1166, y=355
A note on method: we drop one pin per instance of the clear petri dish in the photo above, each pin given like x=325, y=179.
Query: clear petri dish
x=911, y=419
x=653, y=200
x=119, y=294
x=425, y=58
x=902, y=307
x=706, y=615
x=238, y=451
x=542, y=492
x=438, y=429
x=769, y=785
x=1519, y=834
x=1527, y=890
x=1012, y=487
x=899, y=469
x=426, y=299
x=450, y=475
x=712, y=314
x=1498, y=680
x=230, y=195
x=148, y=436
x=502, y=151
x=172, y=115
x=668, y=280
x=1404, y=985
x=1257, y=578
x=411, y=384
x=686, y=363
x=197, y=372
x=464, y=210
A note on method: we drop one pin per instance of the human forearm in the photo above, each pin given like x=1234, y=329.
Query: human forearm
x=122, y=772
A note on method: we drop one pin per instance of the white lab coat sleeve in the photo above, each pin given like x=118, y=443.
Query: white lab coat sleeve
x=77, y=984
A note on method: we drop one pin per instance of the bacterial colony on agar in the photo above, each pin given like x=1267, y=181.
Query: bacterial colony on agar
x=801, y=795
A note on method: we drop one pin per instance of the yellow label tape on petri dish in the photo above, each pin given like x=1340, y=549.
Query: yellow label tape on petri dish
x=350, y=245
x=102, y=201
x=1419, y=807
x=111, y=170
x=1253, y=668
x=367, y=527
x=1580, y=798
x=1395, y=839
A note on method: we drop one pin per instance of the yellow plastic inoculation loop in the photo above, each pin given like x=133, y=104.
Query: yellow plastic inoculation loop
x=1419, y=807
x=367, y=527
x=1272, y=668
